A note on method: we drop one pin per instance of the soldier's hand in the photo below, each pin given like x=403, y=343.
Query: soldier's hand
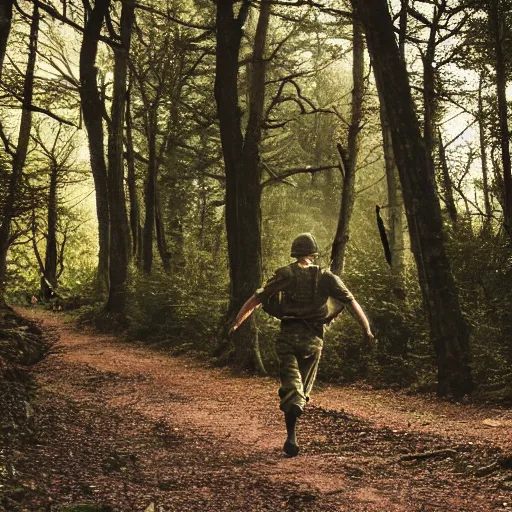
x=369, y=338
x=231, y=325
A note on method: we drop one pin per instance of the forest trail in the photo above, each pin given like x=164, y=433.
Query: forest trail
x=124, y=426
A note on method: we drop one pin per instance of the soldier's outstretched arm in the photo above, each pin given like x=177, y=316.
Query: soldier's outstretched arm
x=357, y=312
x=245, y=312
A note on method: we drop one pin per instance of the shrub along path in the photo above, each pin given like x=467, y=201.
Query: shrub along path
x=130, y=430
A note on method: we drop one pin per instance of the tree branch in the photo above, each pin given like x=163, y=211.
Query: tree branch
x=168, y=16
x=298, y=170
x=40, y=110
x=327, y=10
x=58, y=16
x=10, y=148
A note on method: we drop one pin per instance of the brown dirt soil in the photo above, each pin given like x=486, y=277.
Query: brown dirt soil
x=134, y=430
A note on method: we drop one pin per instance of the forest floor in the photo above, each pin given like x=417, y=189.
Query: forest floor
x=130, y=429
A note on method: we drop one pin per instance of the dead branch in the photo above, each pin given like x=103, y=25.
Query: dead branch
x=448, y=452
x=487, y=470
x=275, y=176
x=298, y=170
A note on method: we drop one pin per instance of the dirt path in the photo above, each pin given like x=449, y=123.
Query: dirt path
x=135, y=430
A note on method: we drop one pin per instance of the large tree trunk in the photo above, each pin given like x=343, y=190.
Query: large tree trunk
x=348, y=197
x=21, y=153
x=243, y=192
x=496, y=20
x=251, y=188
x=132, y=184
x=49, y=279
x=229, y=34
x=92, y=108
x=5, y=28
x=119, y=227
x=449, y=330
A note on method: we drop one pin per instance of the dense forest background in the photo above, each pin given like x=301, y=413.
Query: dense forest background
x=158, y=158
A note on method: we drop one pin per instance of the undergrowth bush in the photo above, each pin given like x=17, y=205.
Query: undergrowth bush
x=170, y=311
x=482, y=264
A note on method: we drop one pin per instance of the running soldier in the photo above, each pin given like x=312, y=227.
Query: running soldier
x=305, y=298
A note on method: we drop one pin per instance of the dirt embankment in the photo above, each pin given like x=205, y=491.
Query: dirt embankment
x=126, y=429
x=22, y=344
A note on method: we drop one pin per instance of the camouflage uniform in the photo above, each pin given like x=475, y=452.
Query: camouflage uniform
x=308, y=298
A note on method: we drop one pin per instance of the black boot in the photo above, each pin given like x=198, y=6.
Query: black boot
x=290, y=446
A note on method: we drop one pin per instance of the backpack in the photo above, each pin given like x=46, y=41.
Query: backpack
x=274, y=305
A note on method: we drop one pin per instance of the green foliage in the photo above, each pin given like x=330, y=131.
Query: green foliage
x=482, y=263
x=403, y=355
x=77, y=279
x=180, y=311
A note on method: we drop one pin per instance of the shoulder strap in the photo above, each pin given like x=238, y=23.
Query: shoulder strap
x=314, y=282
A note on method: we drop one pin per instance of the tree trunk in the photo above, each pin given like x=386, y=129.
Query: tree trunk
x=348, y=197
x=5, y=28
x=92, y=109
x=201, y=207
x=132, y=183
x=402, y=35
x=178, y=260
x=251, y=189
x=49, y=279
x=395, y=202
x=496, y=20
x=150, y=195
x=161, y=239
x=242, y=165
x=119, y=227
x=447, y=183
x=429, y=93
x=483, y=156
x=21, y=153
x=449, y=331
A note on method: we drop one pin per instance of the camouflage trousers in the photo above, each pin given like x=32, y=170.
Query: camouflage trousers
x=298, y=348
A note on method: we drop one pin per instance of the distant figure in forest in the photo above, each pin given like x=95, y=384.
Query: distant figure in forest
x=305, y=298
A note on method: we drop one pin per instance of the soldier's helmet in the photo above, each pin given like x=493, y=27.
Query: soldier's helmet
x=304, y=245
